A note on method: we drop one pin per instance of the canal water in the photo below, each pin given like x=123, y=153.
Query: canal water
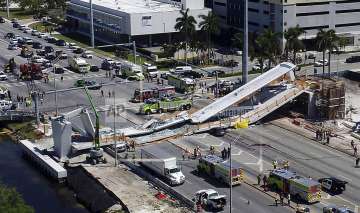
x=37, y=190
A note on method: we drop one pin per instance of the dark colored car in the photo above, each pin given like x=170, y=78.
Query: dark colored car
x=192, y=74
x=61, y=43
x=94, y=68
x=2, y=20
x=220, y=73
x=50, y=57
x=333, y=185
x=49, y=49
x=78, y=51
x=40, y=52
x=218, y=131
x=10, y=35
x=59, y=70
x=353, y=59
x=37, y=45
x=52, y=40
x=16, y=25
x=89, y=84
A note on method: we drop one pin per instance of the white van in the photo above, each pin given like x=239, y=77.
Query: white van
x=181, y=70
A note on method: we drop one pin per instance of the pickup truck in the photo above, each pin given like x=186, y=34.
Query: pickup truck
x=210, y=199
x=333, y=185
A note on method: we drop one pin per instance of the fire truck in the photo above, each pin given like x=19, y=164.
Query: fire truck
x=158, y=92
x=301, y=188
x=215, y=167
x=30, y=72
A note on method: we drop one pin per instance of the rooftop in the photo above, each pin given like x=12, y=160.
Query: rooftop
x=136, y=6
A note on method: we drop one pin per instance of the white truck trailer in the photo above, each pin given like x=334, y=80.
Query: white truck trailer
x=162, y=164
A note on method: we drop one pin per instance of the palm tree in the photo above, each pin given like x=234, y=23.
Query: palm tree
x=342, y=42
x=257, y=50
x=209, y=25
x=293, y=43
x=185, y=25
x=327, y=40
x=271, y=45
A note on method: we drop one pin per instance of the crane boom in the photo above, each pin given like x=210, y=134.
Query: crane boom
x=97, y=122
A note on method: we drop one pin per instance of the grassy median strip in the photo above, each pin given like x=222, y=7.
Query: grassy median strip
x=17, y=13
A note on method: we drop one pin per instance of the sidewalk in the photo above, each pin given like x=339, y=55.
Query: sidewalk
x=339, y=142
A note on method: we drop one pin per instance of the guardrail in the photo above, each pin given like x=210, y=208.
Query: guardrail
x=16, y=115
x=181, y=198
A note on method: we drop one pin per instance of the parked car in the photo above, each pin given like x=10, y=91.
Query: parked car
x=21, y=27
x=90, y=84
x=61, y=43
x=257, y=66
x=38, y=59
x=120, y=147
x=192, y=74
x=40, y=52
x=52, y=40
x=16, y=25
x=87, y=54
x=62, y=54
x=49, y=49
x=37, y=45
x=9, y=35
x=333, y=185
x=50, y=57
x=35, y=32
x=78, y=51
x=28, y=40
x=3, y=76
x=210, y=199
x=59, y=70
x=2, y=20
x=353, y=59
x=27, y=30
x=13, y=47
x=94, y=68
x=321, y=62
x=42, y=35
x=213, y=73
x=13, y=41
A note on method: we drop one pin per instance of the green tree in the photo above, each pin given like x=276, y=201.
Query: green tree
x=327, y=40
x=271, y=45
x=257, y=50
x=237, y=40
x=209, y=25
x=11, y=201
x=186, y=25
x=293, y=43
x=342, y=42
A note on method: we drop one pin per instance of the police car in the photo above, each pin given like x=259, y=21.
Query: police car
x=333, y=184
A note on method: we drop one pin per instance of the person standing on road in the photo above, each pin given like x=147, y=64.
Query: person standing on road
x=357, y=162
x=274, y=163
x=352, y=144
x=265, y=182
x=355, y=150
x=228, y=152
x=258, y=179
x=328, y=139
x=102, y=93
x=289, y=199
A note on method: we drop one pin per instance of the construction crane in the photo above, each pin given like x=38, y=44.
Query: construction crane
x=96, y=153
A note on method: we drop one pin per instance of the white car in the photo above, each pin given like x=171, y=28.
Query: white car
x=38, y=59
x=74, y=47
x=42, y=35
x=17, y=37
x=28, y=40
x=27, y=30
x=13, y=47
x=22, y=27
x=320, y=63
x=13, y=41
x=3, y=77
x=210, y=199
x=257, y=66
x=87, y=54
x=35, y=33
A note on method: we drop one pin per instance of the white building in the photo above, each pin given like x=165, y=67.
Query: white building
x=116, y=20
x=279, y=15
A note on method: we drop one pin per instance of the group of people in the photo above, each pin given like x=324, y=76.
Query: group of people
x=225, y=153
x=323, y=135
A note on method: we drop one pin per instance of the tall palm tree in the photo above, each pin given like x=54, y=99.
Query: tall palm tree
x=272, y=45
x=327, y=40
x=293, y=43
x=209, y=25
x=257, y=50
x=186, y=25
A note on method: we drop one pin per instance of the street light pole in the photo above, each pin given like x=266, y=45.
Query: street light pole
x=56, y=105
x=92, y=25
x=245, y=45
x=7, y=9
x=116, y=154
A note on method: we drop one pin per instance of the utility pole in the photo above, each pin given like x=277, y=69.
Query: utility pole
x=245, y=45
x=116, y=154
x=134, y=51
x=35, y=97
x=56, y=104
x=92, y=25
x=7, y=9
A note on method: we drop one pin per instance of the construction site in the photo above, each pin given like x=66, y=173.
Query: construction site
x=106, y=167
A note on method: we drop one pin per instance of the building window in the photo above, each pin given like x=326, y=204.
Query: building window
x=266, y=12
x=253, y=23
x=146, y=20
x=221, y=4
x=253, y=10
x=285, y=1
x=313, y=13
x=265, y=26
x=347, y=25
x=312, y=3
x=285, y=11
x=266, y=2
x=348, y=11
x=285, y=23
x=315, y=27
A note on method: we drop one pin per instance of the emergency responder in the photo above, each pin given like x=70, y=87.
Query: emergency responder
x=258, y=179
x=265, y=182
x=212, y=150
x=274, y=163
x=286, y=165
